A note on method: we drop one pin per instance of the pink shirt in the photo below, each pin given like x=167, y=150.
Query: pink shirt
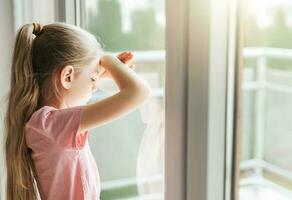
x=64, y=163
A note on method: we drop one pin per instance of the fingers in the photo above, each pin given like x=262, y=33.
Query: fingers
x=126, y=57
x=122, y=55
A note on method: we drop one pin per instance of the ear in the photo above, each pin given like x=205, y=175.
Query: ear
x=67, y=75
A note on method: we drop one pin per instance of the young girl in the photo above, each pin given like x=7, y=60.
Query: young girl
x=54, y=73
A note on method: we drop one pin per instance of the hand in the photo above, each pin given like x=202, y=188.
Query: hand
x=124, y=57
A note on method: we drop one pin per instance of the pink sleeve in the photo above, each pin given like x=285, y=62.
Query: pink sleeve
x=61, y=125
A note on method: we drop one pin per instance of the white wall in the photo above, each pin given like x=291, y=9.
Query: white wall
x=6, y=37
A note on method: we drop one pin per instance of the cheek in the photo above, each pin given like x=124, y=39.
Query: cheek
x=83, y=86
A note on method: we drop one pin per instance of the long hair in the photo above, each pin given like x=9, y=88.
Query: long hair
x=36, y=61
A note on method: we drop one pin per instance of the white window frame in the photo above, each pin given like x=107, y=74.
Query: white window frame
x=201, y=58
x=70, y=11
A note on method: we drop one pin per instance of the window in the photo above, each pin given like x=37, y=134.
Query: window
x=191, y=114
x=130, y=151
x=266, y=164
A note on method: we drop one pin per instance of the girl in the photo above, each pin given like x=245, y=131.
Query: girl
x=54, y=73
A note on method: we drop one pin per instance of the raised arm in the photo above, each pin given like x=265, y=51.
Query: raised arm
x=134, y=91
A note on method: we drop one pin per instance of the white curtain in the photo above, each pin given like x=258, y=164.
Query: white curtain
x=150, y=162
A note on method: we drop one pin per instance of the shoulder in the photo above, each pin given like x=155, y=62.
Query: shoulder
x=47, y=114
x=60, y=125
x=42, y=112
x=37, y=122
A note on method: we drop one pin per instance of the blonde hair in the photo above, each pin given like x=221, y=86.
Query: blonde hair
x=37, y=58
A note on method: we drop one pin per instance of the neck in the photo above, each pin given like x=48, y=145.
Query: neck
x=55, y=104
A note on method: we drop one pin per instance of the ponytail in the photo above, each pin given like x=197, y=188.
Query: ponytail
x=23, y=100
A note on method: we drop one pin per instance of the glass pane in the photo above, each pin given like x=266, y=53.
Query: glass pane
x=266, y=162
x=129, y=151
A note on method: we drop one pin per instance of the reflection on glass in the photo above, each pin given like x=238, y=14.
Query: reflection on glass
x=266, y=162
x=129, y=151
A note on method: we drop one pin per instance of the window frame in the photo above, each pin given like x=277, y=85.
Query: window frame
x=207, y=61
x=68, y=11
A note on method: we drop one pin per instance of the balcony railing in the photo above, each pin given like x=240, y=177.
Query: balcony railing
x=260, y=85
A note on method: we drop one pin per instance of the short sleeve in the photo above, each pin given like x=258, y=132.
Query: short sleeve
x=61, y=125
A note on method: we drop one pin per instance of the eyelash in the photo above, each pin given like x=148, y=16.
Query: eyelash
x=94, y=78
